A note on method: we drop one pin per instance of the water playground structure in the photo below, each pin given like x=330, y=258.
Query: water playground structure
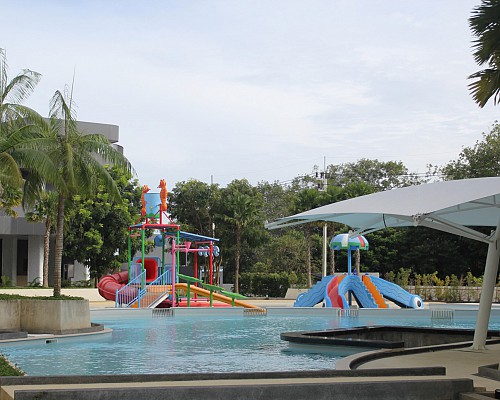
x=368, y=291
x=151, y=282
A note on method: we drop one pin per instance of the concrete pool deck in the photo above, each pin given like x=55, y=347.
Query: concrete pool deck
x=386, y=378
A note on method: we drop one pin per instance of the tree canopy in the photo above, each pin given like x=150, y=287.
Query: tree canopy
x=97, y=227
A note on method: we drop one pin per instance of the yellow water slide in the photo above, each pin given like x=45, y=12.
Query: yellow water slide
x=216, y=296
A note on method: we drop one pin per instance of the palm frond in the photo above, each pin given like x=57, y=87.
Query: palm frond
x=485, y=25
x=21, y=86
x=10, y=175
x=486, y=86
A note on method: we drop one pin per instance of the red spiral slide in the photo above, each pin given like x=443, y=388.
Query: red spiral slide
x=109, y=284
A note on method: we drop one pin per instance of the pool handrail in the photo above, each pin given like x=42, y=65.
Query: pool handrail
x=150, y=298
x=124, y=293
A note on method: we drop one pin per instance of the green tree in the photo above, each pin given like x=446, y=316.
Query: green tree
x=305, y=200
x=78, y=158
x=485, y=26
x=10, y=197
x=96, y=229
x=277, y=199
x=19, y=126
x=44, y=211
x=12, y=119
x=192, y=204
x=284, y=253
x=480, y=160
x=240, y=207
x=379, y=175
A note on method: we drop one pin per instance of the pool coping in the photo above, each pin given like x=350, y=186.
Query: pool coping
x=52, y=337
x=355, y=361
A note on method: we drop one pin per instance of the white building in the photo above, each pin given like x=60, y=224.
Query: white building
x=21, y=242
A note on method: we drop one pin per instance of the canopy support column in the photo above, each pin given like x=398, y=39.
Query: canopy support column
x=489, y=283
x=325, y=249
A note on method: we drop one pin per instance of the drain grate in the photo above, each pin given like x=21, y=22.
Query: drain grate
x=348, y=313
x=162, y=312
x=441, y=314
x=251, y=312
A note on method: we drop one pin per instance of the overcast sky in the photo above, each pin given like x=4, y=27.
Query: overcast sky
x=257, y=89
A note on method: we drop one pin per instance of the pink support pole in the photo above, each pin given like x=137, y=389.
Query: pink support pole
x=211, y=263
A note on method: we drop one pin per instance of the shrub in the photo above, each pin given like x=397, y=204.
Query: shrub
x=6, y=281
x=266, y=284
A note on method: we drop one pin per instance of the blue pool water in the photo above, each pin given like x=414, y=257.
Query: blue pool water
x=218, y=343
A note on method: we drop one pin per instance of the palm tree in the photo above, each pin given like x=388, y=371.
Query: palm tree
x=243, y=211
x=78, y=158
x=17, y=127
x=485, y=26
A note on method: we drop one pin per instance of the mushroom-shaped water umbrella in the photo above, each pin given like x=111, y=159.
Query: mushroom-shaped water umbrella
x=345, y=242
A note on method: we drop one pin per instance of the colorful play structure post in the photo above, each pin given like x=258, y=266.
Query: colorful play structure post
x=150, y=281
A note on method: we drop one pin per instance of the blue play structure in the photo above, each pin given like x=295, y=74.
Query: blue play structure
x=368, y=291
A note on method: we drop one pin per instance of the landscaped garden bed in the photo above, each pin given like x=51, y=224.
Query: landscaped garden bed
x=53, y=315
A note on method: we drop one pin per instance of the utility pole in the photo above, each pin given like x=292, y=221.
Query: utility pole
x=325, y=228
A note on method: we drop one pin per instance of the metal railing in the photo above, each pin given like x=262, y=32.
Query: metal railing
x=128, y=294
x=156, y=291
x=135, y=270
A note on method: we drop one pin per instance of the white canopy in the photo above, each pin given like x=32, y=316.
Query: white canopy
x=450, y=206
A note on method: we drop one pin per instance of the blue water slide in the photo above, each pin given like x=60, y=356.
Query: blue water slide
x=354, y=284
x=397, y=294
x=314, y=295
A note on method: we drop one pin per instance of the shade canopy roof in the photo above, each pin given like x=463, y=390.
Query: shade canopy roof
x=450, y=206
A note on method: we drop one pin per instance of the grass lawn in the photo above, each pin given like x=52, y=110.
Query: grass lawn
x=7, y=369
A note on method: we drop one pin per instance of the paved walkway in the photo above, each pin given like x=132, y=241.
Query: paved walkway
x=459, y=363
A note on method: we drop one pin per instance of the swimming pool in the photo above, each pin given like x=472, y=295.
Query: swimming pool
x=208, y=341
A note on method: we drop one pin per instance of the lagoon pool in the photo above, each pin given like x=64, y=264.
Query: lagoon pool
x=206, y=341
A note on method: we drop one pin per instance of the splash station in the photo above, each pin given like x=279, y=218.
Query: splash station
x=369, y=291
x=152, y=282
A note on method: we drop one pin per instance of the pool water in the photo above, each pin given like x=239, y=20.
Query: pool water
x=140, y=344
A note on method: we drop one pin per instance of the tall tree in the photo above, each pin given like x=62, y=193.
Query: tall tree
x=480, y=160
x=19, y=126
x=380, y=175
x=277, y=198
x=79, y=160
x=192, y=204
x=305, y=200
x=485, y=26
x=241, y=207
